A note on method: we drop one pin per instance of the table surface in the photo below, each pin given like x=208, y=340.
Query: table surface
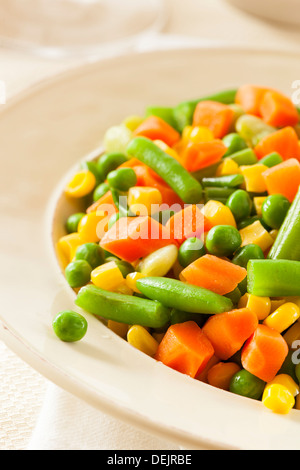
x=22, y=389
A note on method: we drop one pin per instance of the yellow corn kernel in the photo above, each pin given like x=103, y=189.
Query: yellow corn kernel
x=218, y=214
x=221, y=374
x=228, y=167
x=66, y=247
x=131, y=279
x=258, y=202
x=287, y=381
x=141, y=339
x=254, y=180
x=142, y=200
x=159, y=262
x=203, y=375
x=120, y=329
x=292, y=335
x=107, y=276
x=257, y=234
x=170, y=151
x=261, y=306
x=283, y=317
x=132, y=122
x=278, y=398
x=275, y=303
x=87, y=227
x=81, y=184
x=197, y=134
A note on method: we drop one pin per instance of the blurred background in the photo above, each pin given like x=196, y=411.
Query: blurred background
x=42, y=38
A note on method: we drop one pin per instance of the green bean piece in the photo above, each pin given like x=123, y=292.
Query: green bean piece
x=184, y=111
x=250, y=220
x=182, y=296
x=240, y=204
x=247, y=385
x=169, y=169
x=227, y=181
x=162, y=216
x=69, y=326
x=217, y=194
x=244, y=157
x=252, y=129
x=234, y=143
x=234, y=296
x=122, y=308
x=205, y=172
x=165, y=113
x=289, y=366
x=271, y=160
x=223, y=240
x=273, y=277
x=178, y=316
x=286, y=245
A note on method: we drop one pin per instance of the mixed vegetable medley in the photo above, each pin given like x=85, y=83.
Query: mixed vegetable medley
x=188, y=241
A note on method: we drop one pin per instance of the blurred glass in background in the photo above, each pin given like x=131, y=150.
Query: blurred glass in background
x=60, y=28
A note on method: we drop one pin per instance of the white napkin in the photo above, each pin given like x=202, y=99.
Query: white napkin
x=67, y=423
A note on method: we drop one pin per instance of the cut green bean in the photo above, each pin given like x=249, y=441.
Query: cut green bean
x=122, y=308
x=244, y=157
x=273, y=278
x=234, y=143
x=271, y=160
x=169, y=169
x=227, y=181
x=183, y=112
x=286, y=245
x=165, y=113
x=217, y=194
x=182, y=296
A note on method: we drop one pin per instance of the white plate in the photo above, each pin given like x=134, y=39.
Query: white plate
x=44, y=133
x=283, y=11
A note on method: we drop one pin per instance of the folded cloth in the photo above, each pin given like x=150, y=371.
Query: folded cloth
x=67, y=423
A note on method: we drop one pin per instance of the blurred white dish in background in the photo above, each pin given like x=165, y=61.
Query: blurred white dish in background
x=47, y=131
x=284, y=11
x=59, y=28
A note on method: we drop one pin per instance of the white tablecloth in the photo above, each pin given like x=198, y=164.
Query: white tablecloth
x=36, y=414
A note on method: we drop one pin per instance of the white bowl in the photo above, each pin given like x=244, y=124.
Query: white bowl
x=283, y=11
x=45, y=133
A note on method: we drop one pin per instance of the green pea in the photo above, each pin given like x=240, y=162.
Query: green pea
x=90, y=252
x=78, y=273
x=122, y=179
x=190, y=250
x=93, y=168
x=223, y=240
x=247, y=252
x=246, y=384
x=124, y=266
x=240, y=204
x=100, y=190
x=234, y=143
x=69, y=326
x=274, y=210
x=109, y=162
x=73, y=221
